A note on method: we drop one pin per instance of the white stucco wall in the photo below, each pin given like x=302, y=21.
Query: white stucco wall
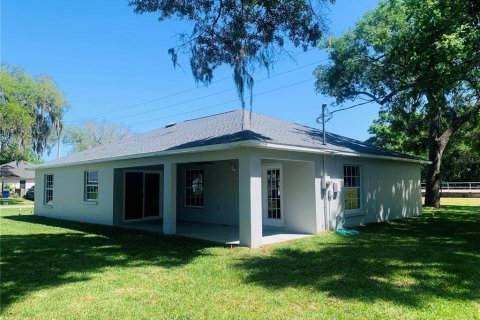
x=298, y=195
x=220, y=193
x=15, y=183
x=68, y=188
x=389, y=190
x=68, y=195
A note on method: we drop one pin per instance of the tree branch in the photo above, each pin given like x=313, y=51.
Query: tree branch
x=379, y=100
x=207, y=28
x=457, y=123
x=460, y=120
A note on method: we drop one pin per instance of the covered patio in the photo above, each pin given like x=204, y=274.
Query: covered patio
x=233, y=198
x=228, y=235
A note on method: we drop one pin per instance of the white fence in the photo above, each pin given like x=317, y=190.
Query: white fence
x=457, y=186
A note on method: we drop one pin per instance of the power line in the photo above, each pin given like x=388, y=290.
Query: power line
x=212, y=94
x=330, y=114
x=182, y=92
x=224, y=103
x=148, y=101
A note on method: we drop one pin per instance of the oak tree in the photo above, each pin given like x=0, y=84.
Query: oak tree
x=31, y=114
x=416, y=56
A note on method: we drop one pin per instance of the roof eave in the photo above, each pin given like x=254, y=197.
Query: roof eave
x=334, y=152
x=231, y=145
x=216, y=147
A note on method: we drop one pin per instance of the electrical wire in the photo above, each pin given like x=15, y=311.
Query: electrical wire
x=182, y=92
x=330, y=114
x=222, y=103
x=210, y=95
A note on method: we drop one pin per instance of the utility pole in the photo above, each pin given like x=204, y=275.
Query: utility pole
x=324, y=106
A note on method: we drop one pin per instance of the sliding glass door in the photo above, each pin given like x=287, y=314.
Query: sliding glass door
x=143, y=195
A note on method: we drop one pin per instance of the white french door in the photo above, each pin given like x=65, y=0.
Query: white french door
x=272, y=196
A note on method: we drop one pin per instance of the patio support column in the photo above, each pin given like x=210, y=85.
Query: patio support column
x=169, y=198
x=250, y=200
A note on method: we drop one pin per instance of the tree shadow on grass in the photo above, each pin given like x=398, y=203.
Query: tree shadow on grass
x=37, y=261
x=406, y=262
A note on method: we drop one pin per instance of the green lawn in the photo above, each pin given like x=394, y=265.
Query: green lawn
x=15, y=201
x=460, y=201
x=419, y=268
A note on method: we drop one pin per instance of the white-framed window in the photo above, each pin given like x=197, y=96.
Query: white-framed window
x=91, y=185
x=48, y=188
x=352, y=186
x=194, y=188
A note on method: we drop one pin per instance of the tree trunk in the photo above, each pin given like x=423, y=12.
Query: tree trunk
x=436, y=146
x=433, y=181
x=432, y=191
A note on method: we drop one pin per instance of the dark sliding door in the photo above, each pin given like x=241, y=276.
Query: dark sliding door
x=152, y=194
x=133, y=195
x=142, y=195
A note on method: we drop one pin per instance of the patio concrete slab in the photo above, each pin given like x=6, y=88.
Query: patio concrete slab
x=207, y=231
x=217, y=233
x=271, y=236
x=150, y=226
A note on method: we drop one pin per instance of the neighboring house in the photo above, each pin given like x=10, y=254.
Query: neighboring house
x=247, y=171
x=16, y=175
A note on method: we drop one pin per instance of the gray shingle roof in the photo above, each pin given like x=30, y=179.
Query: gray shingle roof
x=17, y=170
x=220, y=129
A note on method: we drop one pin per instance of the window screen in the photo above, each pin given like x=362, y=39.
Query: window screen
x=351, y=180
x=194, y=188
x=48, y=183
x=91, y=185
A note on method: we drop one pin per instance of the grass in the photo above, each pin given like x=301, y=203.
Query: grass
x=460, y=201
x=16, y=201
x=418, y=268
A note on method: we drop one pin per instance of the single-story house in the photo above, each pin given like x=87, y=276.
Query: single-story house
x=243, y=170
x=16, y=175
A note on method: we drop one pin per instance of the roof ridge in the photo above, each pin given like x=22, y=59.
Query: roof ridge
x=209, y=116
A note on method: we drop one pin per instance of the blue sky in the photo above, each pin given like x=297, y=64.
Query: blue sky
x=111, y=63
